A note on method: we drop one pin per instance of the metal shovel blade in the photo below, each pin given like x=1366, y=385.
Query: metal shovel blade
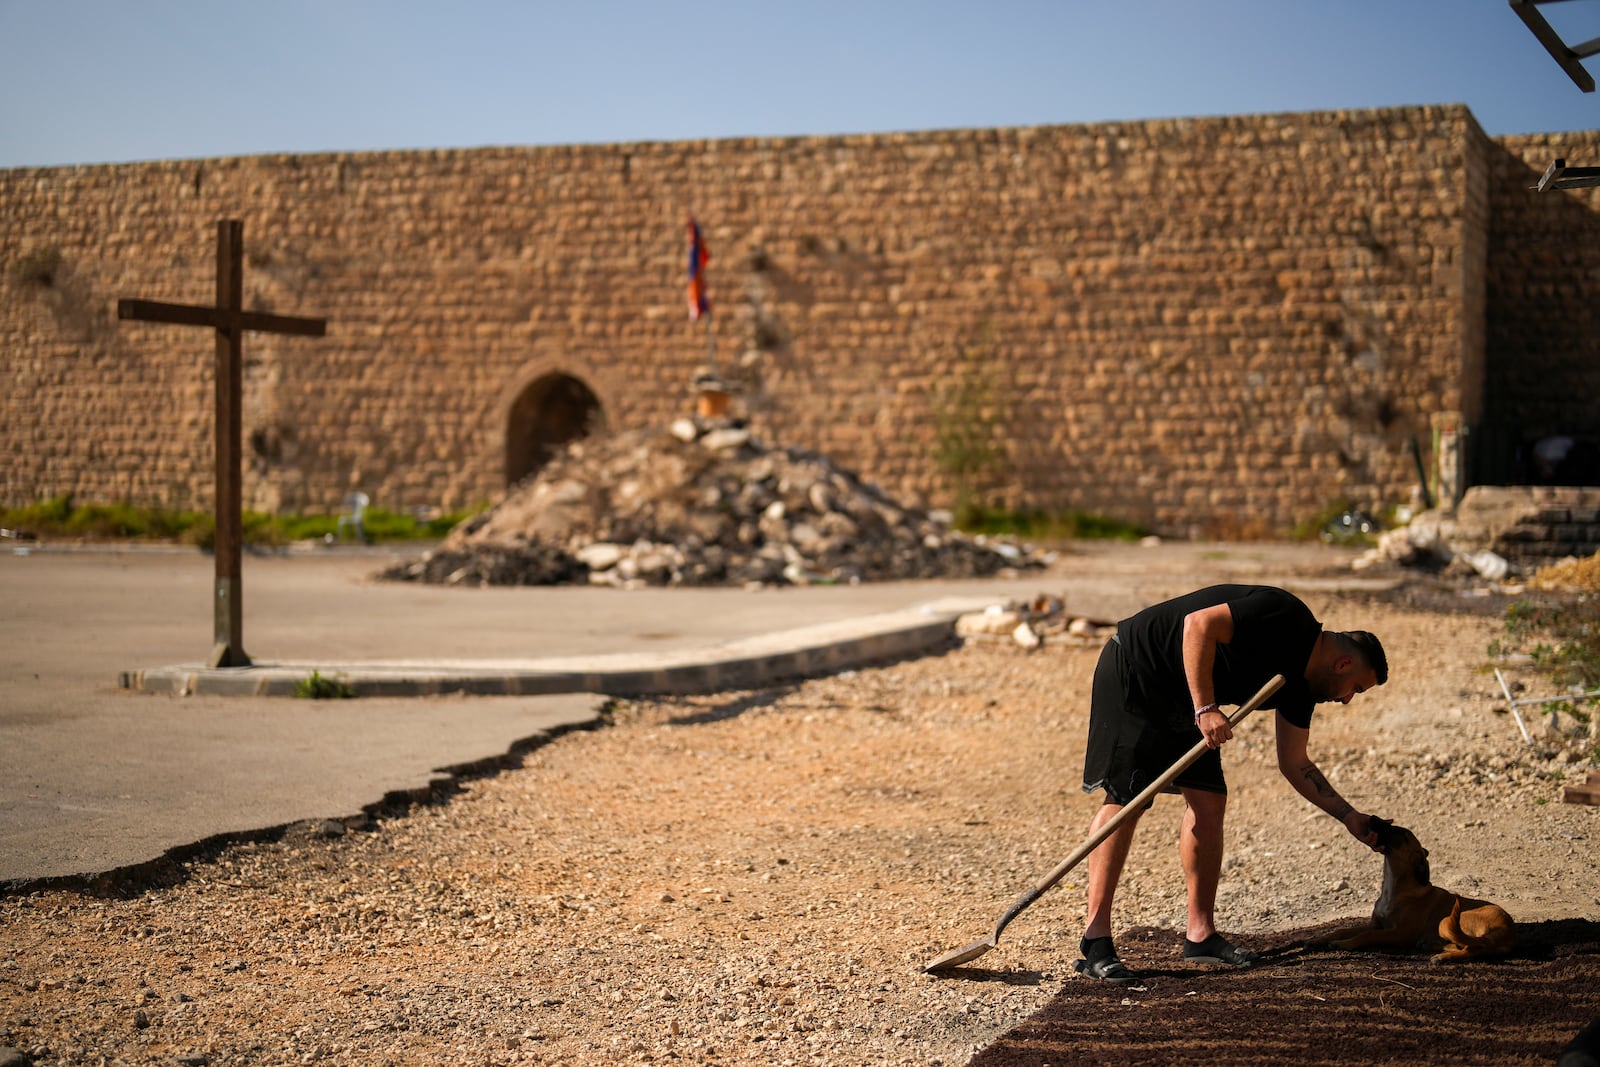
x=960, y=955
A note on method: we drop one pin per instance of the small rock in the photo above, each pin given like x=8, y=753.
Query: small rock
x=987, y=623
x=1027, y=637
x=1488, y=564
x=602, y=555
x=725, y=440
x=1082, y=627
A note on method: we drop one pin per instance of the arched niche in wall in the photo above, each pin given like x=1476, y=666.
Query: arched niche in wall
x=550, y=411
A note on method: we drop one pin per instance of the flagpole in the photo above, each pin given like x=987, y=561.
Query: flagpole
x=699, y=305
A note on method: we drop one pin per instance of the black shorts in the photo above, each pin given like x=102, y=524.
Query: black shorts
x=1132, y=742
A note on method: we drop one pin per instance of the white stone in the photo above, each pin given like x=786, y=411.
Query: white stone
x=1027, y=636
x=988, y=623
x=723, y=440
x=1490, y=565
x=599, y=556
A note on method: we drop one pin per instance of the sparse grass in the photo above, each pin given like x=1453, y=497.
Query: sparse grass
x=969, y=415
x=1561, y=632
x=1048, y=526
x=318, y=687
x=1557, y=624
x=59, y=517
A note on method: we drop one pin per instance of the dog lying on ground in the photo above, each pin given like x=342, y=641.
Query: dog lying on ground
x=1412, y=912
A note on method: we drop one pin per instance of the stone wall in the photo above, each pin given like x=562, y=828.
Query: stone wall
x=1211, y=326
x=1544, y=311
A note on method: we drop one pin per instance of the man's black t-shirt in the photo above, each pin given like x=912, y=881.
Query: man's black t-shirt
x=1273, y=633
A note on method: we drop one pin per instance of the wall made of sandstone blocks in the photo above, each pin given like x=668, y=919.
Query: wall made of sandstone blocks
x=1185, y=323
x=1543, y=317
x=1220, y=325
x=84, y=408
x=436, y=295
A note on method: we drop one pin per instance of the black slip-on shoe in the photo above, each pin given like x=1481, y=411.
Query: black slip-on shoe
x=1217, y=949
x=1106, y=969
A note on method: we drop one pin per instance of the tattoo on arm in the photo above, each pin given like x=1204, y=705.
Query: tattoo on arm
x=1315, y=779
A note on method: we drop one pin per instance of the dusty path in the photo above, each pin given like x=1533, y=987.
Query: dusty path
x=758, y=877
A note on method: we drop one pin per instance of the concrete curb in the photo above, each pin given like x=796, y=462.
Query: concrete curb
x=759, y=660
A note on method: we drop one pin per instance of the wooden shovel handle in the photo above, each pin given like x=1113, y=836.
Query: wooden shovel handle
x=1129, y=809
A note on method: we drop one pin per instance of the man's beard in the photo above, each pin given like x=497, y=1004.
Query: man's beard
x=1324, y=687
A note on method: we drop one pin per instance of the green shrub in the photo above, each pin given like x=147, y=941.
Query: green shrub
x=969, y=417
x=60, y=517
x=317, y=687
x=1047, y=526
x=202, y=534
x=40, y=516
x=1560, y=630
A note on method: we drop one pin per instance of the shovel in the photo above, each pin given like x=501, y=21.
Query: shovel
x=978, y=948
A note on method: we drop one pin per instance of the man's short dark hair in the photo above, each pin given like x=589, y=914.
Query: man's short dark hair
x=1370, y=649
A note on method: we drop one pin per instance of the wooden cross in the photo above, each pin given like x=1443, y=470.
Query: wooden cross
x=230, y=320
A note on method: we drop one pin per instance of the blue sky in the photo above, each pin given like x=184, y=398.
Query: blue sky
x=92, y=81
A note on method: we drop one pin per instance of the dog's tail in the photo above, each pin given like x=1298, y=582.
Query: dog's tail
x=1452, y=926
x=1459, y=944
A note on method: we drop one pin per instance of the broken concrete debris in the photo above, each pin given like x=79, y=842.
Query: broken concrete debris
x=1029, y=623
x=1495, y=533
x=703, y=502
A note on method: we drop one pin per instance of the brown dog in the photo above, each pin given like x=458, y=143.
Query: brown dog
x=1412, y=912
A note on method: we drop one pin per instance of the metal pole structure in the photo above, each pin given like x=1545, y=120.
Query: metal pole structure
x=228, y=643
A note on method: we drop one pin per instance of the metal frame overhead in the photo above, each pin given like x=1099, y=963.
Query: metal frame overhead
x=1569, y=56
x=1560, y=176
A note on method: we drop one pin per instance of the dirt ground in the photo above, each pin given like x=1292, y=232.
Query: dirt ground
x=759, y=877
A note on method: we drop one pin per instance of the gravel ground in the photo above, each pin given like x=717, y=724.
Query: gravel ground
x=758, y=877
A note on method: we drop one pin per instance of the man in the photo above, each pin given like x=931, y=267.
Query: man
x=1156, y=692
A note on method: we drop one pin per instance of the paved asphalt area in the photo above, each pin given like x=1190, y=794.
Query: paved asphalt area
x=118, y=748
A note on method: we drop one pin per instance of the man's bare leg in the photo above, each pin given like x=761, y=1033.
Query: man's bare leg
x=1105, y=869
x=1201, y=850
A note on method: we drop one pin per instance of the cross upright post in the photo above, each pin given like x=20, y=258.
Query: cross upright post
x=230, y=320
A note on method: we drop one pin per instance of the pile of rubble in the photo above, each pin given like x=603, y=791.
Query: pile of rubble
x=1433, y=542
x=702, y=503
x=1495, y=532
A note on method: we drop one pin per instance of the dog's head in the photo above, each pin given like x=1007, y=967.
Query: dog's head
x=1401, y=848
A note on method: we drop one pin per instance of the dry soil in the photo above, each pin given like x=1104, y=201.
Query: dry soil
x=759, y=877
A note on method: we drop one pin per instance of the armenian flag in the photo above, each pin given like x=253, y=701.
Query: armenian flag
x=699, y=303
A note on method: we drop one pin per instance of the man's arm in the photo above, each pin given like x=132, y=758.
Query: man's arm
x=1296, y=764
x=1203, y=631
